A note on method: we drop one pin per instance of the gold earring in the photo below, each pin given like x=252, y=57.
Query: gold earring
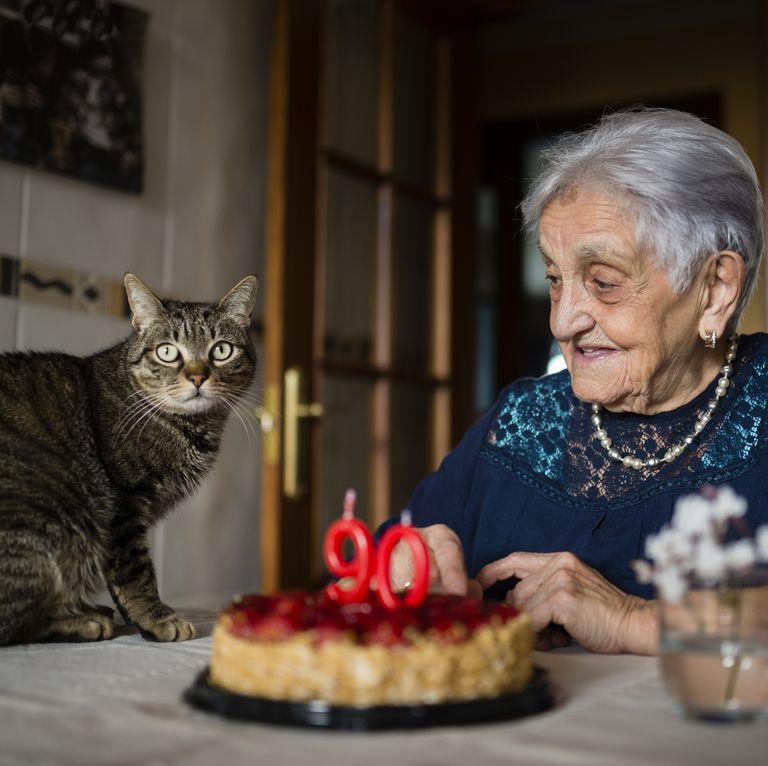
x=710, y=339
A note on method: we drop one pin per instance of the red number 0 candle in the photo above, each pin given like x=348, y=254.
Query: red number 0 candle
x=417, y=591
x=362, y=564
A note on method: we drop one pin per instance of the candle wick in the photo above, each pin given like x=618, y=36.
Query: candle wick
x=350, y=498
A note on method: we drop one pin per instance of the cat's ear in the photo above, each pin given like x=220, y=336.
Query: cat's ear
x=145, y=305
x=239, y=301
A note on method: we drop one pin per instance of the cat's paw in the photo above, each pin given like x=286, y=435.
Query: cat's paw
x=89, y=626
x=169, y=628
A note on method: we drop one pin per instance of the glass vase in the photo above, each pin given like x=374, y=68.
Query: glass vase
x=714, y=648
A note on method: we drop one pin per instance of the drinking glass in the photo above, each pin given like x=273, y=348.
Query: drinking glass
x=714, y=648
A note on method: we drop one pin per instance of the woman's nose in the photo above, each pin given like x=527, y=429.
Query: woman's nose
x=570, y=315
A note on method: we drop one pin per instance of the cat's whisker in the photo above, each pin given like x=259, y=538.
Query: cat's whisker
x=254, y=400
x=252, y=394
x=147, y=418
x=126, y=406
x=139, y=404
x=133, y=411
x=233, y=409
x=128, y=426
x=253, y=403
x=235, y=406
x=248, y=414
x=126, y=418
x=239, y=396
x=138, y=410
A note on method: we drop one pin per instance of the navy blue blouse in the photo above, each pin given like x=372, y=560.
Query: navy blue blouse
x=531, y=476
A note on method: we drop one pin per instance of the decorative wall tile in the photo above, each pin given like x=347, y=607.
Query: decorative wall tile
x=11, y=180
x=63, y=288
x=8, y=310
x=9, y=276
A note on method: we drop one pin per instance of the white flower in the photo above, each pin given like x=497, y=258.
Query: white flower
x=668, y=546
x=693, y=544
x=727, y=504
x=761, y=542
x=709, y=562
x=671, y=585
x=693, y=515
x=740, y=555
x=643, y=571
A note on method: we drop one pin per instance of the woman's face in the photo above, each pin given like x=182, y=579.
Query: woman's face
x=630, y=342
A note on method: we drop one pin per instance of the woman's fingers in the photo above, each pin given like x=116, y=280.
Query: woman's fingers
x=560, y=590
x=449, y=560
x=519, y=564
x=447, y=571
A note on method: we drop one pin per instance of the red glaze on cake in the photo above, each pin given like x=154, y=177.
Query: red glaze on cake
x=282, y=615
x=300, y=646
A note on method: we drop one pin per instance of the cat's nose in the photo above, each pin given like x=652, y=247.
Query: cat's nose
x=197, y=373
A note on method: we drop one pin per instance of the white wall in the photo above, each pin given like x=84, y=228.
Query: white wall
x=195, y=230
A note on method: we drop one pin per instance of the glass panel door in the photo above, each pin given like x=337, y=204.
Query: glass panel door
x=351, y=209
x=352, y=77
x=378, y=288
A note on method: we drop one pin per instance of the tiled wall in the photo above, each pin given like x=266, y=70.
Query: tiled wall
x=193, y=233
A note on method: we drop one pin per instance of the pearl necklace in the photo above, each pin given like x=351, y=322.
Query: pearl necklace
x=631, y=461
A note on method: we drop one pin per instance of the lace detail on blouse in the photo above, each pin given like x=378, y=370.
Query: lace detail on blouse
x=543, y=434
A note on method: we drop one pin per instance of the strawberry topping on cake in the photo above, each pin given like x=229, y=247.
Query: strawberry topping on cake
x=281, y=615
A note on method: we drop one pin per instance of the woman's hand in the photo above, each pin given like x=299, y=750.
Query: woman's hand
x=560, y=589
x=447, y=571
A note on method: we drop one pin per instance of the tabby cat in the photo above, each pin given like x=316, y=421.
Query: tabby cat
x=94, y=450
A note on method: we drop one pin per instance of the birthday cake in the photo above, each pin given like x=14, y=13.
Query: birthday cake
x=300, y=647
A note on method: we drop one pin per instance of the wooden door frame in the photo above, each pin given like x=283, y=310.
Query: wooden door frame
x=291, y=182
x=294, y=143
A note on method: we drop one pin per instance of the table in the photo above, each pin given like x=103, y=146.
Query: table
x=119, y=702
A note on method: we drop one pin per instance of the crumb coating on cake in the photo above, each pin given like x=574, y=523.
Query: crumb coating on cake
x=299, y=647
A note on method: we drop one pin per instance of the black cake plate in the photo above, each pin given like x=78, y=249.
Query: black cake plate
x=537, y=697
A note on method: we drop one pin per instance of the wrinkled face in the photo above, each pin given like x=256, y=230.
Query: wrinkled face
x=630, y=342
x=192, y=358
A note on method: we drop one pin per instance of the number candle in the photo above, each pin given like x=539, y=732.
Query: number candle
x=417, y=591
x=361, y=565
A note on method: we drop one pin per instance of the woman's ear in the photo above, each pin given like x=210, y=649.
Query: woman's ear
x=723, y=284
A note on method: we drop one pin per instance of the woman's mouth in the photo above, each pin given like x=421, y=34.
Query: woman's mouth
x=591, y=354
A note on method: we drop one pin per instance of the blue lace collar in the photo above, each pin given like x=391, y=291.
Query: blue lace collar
x=543, y=434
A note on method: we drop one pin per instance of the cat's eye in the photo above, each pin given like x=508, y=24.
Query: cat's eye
x=221, y=351
x=167, y=352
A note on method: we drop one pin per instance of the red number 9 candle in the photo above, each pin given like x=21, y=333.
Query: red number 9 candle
x=361, y=565
x=417, y=591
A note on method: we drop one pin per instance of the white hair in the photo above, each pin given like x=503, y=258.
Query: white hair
x=691, y=189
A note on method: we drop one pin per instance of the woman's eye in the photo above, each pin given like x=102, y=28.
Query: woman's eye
x=221, y=351
x=167, y=352
x=554, y=285
x=600, y=285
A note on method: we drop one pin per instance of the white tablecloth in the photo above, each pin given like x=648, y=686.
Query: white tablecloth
x=119, y=702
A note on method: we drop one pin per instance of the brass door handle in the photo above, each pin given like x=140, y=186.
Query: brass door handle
x=294, y=482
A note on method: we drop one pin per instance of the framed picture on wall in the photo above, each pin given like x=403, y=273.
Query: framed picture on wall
x=71, y=88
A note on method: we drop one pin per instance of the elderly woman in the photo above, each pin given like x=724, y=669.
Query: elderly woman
x=650, y=227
